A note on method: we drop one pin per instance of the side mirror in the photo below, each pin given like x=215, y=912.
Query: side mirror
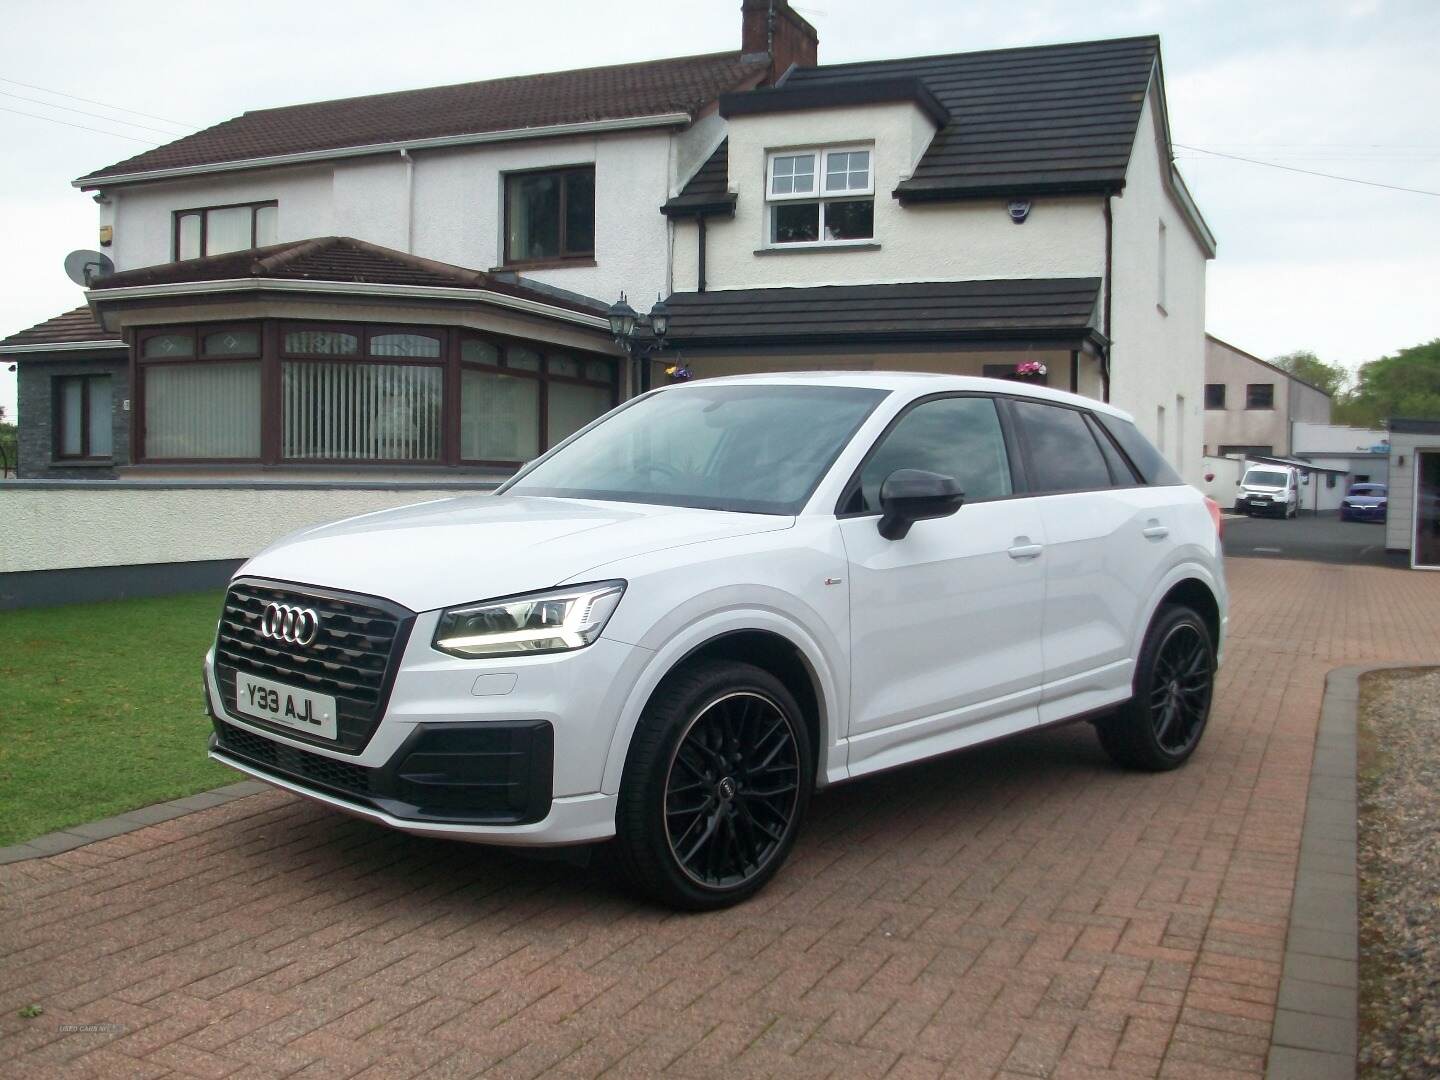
x=911, y=495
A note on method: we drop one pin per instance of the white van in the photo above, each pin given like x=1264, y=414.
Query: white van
x=1269, y=489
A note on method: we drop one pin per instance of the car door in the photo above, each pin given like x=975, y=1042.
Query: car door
x=945, y=623
x=1108, y=541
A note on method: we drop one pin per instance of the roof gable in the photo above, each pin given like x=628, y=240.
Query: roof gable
x=681, y=85
x=1050, y=118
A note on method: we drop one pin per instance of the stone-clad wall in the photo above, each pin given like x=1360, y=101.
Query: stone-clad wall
x=37, y=416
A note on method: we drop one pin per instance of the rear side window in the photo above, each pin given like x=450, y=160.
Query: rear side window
x=953, y=436
x=1153, y=467
x=1062, y=455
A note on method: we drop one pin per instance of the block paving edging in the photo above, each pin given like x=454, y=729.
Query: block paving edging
x=1317, y=1011
x=53, y=843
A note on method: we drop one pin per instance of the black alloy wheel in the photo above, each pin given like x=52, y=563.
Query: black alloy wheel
x=1180, y=689
x=1162, y=723
x=715, y=787
x=732, y=789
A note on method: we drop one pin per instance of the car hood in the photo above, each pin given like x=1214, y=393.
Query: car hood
x=1366, y=500
x=455, y=551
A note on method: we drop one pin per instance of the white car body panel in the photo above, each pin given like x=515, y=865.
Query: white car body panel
x=957, y=634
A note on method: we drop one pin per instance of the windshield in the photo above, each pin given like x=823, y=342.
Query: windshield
x=1264, y=478
x=1367, y=489
x=755, y=448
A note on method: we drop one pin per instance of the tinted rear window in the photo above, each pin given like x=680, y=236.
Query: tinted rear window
x=1063, y=455
x=1154, y=469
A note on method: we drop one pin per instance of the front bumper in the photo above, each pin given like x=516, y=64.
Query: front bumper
x=578, y=819
x=1365, y=513
x=1256, y=503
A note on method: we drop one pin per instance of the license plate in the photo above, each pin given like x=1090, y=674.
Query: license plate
x=286, y=705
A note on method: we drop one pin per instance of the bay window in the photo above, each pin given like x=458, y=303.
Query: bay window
x=346, y=393
x=215, y=230
x=820, y=196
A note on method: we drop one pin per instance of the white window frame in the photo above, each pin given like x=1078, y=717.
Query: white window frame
x=817, y=193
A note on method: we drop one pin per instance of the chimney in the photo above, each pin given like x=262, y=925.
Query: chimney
x=772, y=27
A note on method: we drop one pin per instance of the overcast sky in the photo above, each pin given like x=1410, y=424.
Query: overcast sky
x=1349, y=87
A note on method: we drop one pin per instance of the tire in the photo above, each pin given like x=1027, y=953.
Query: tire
x=1143, y=733
x=731, y=737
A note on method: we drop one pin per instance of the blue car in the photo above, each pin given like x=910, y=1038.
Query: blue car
x=1364, y=502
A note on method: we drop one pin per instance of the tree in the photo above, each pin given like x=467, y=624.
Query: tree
x=9, y=451
x=1406, y=384
x=1308, y=367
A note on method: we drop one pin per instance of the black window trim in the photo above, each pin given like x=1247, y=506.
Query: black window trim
x=1087, y=418
x=1018, y=480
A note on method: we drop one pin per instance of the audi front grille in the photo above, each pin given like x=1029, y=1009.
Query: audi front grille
x=351, y=655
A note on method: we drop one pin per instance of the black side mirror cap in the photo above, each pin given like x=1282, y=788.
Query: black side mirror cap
x=911, y=495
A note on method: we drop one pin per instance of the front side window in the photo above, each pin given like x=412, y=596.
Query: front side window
x=749, y=449
x=1260, y=396
x=956, y=436
x=1214, y=395
x=83, y=427
x=1062, y=454
x=216, y=230
x=550, y=215
x=821, y=196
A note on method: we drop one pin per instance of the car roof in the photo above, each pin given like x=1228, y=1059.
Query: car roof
x=911, y=384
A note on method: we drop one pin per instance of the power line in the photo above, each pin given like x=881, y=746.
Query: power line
x=82, y=127
x=1307, y=172
x=103, y=104
x=82, y=112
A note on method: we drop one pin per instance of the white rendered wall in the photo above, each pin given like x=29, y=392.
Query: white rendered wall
x=52, y=529
x=1158, y=355
x=457, y=200
x=1064, y=237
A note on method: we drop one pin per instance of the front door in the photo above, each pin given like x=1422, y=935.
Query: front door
x=1425, y=554
x=944, y=624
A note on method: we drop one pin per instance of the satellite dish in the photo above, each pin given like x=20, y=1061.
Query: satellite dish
x=83, y=267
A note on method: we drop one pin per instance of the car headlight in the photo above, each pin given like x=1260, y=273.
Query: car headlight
x=556, y=620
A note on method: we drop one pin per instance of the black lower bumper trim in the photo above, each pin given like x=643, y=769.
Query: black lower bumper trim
x=493, y=773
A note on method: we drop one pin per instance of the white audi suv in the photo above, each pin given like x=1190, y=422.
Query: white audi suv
x=672, y=628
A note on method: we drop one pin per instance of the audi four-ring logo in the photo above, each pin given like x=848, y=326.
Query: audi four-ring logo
x=295, y=625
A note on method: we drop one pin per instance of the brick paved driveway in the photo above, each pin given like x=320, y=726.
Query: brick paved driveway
x=1022, y=910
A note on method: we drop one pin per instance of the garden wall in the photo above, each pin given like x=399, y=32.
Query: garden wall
x=73, y=541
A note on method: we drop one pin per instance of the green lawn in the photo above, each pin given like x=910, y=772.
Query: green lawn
x=102, y=710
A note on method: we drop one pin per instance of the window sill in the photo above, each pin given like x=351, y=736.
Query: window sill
x=819, y=248
x=543, y=264
x=82, y=463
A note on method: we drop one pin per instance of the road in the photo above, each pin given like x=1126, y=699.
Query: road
x=1316, y=539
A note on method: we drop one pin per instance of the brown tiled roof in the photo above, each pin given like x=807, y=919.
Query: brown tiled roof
x=681, y=84
x=73, y=326
x=344, y=259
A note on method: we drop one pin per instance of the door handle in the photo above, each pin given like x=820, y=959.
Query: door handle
x=1155, y=532
x=1025, y=551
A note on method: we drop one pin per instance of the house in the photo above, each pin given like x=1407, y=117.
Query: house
x=1413, y=521
x=1362, y=453
x=1251, y=406
x=415, y=284
x=966, y=213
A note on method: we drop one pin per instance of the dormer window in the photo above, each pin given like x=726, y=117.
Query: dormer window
x=821, y=196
